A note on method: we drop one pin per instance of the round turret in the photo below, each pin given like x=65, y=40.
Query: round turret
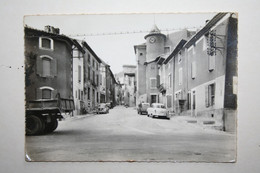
x=155, y=41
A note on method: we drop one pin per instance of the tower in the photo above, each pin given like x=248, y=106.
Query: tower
x=155, y=42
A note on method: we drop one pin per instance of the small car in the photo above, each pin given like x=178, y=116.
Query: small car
x=142, y=108
x=102, y=108
x=158, y=110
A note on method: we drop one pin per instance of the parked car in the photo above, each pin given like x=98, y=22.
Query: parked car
x=142, y=108
x=158, y=110
x=102, y=108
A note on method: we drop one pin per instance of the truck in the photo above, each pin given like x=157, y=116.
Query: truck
x=42, y=115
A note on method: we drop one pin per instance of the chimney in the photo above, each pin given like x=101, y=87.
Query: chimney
x=51, y=29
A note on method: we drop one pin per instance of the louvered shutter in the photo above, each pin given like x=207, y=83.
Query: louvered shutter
x=158, y=80
x=211, y=63
x=207, y=96
x=39, y=66
x=38, y=93
x=53, y=67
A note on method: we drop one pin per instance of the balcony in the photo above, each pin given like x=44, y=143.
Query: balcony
x=162, y=88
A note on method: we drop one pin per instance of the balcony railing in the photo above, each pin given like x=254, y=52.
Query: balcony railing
x=162, y=88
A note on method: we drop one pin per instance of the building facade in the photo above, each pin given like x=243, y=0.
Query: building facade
x=49, y=64
x=78, y=81
x=198, y=77
x=157, y=46
x=91, y=78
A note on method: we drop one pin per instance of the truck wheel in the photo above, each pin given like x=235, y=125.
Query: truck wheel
x=51, y=126
x=34, y=125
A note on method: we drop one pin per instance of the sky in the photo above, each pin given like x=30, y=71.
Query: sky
x=117, y=49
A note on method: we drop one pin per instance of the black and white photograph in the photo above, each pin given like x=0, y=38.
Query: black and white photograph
x=133, y=87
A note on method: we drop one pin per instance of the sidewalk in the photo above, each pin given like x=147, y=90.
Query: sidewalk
x=203, y=122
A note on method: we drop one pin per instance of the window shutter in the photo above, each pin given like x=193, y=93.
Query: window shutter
x=211, y=63
x=193, y=70
x=180, y=76
x=39, y=66
x=38, y=93
x=53, y=67
x=158, y=80
x=207, y=96
x=54, y=94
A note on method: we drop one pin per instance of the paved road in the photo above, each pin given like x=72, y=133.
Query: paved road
x=123, y=135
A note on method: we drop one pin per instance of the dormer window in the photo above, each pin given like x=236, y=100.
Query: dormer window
x=46, y=43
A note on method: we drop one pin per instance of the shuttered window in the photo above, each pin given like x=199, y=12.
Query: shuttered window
x=46, y=93
x=210, y=95
x=193, y=70
x=169, y=101
x=212, y=62
x=153, y=83
x=79, y=73
x=46, y=66
x=180, y=76
x=170, y=80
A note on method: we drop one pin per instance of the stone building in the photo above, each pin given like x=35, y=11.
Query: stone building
x=49, y=64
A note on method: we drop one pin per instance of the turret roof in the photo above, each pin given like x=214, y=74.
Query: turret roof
x=154, y=31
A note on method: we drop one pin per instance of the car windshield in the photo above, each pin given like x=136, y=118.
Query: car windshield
x=158, y=106
x=102, y=105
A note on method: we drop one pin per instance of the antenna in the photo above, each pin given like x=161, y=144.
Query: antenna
x=154, y=19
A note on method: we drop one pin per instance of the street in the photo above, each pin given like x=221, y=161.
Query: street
x=123, y=135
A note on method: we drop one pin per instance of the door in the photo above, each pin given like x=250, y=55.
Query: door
x=153, y=98
x=193, y=103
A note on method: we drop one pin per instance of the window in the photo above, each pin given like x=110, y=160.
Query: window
x=97, y=66
x=180, y=76
x=153, y=83
x=89, y=59
x=210, y=95
x=45, y=43
x=88, y=73
x=46, y=94
x=97, y=80
x=170, y=80
x=79, y=94
x=93, y=76
x=179, y=58
x=193, y=70
x=79, y=73
x=169, y=101
x=167, y=50
x=76, y=93
x=189, y=100
x=141, y=54
x=46, y=67
x=211, y=63
x=93, y=64
x=75, y=53
x=88, y=93
x=100, y=78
